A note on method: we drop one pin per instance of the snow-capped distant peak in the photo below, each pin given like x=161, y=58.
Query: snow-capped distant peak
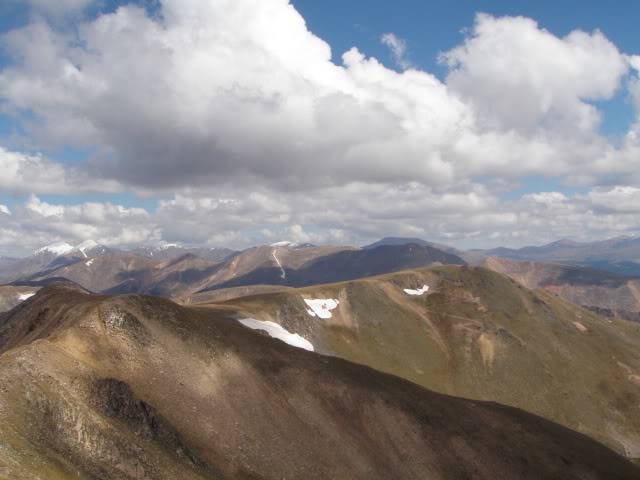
x=165, y=246
x=86, y=245
x=55, y=248
x=284, y=243
x=64, y=248
x=289, y=244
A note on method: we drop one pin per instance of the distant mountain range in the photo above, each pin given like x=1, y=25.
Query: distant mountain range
x=45, y=261
x=609, y=294
x=618, y=255
x=180, y=273
x=576, y=271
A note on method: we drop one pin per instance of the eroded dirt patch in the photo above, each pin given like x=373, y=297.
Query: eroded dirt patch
x=580, y=327
x=487, y=347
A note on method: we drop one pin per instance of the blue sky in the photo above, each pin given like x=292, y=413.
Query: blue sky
x=482, y=160
x=431, y=27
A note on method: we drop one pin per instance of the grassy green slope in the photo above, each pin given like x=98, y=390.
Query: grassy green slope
x=480, y=335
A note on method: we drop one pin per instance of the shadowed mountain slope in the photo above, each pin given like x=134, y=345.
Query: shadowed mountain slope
x=415, y=241
x=477, y=334
x=137, y=387
x=345, y=265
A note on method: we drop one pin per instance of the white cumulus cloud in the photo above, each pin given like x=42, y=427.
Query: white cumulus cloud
x=237, y=109
x=520, y=76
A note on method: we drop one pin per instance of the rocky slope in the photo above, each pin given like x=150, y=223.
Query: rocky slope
x=476, y=334
x=137, y=387
x=11, y=296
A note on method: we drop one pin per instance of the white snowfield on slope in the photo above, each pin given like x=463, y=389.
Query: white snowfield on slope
x=276, y=331
x=321, y=307
x=420, y=291
x=25, y=296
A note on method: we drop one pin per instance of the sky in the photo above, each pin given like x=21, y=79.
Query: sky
x=241, y=122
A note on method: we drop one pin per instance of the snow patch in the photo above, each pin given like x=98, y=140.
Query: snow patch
x=25, y=296
x=89, y=262
x=321, y=307
x=276, y=331
x=283, y=274
x=420, y=291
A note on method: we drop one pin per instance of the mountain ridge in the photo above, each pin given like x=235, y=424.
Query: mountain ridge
x=133, y=387
x=182, y=276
